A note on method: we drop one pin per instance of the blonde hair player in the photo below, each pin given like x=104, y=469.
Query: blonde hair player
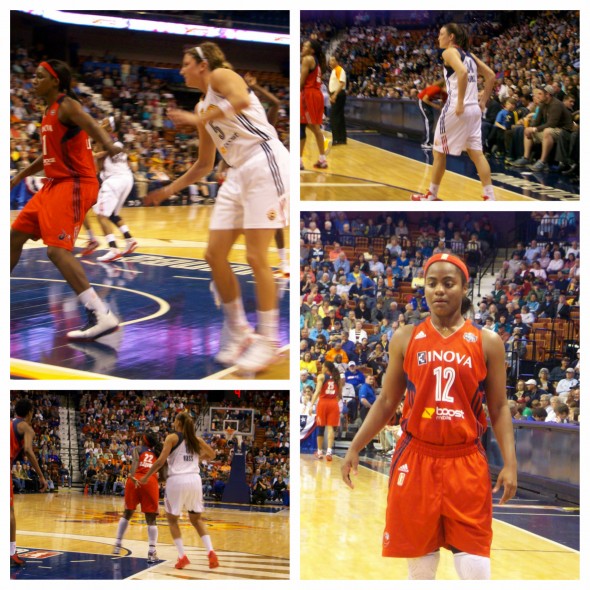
x=254, y=199
x=440, y=493
x=183, y=450
x=459, y=125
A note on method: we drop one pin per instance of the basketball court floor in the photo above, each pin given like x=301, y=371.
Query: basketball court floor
x=68, y=535
x=374, y=167
x=341, y=530
x=170, y=323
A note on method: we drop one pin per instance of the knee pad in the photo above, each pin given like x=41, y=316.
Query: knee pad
x=302, y=127
x=472, y=567
x=115, y=218
x=321, y=430
x=423, y=568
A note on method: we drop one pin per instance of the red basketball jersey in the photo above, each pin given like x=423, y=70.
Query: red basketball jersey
x=314, y=78
x=445, y=380
x=147, y=458
x=329, y=389
x=17, y=441
x=66, y=150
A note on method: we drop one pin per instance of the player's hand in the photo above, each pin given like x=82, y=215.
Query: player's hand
x=507, y=478
x=43, y=484
x=154, y=198
x=180, y=117
x=482, y=105
x=350, y=465
x=142, y=481
x=459, y=109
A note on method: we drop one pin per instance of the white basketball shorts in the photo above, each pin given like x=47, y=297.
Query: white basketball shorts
x=184, y=492
x=112, y=194
x=455, y=134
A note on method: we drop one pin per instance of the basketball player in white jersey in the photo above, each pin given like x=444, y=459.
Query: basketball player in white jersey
x=184, y=490
x=117, y=182
x=253, y=200
x=459, y=125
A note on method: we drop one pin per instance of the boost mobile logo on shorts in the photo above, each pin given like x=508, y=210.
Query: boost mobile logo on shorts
x=443, y=413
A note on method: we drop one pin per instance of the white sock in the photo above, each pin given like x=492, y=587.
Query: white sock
x=472, y=567
x=152, y=536
x=423, y=568
x=329, y=451
x=123, y=229
x=123, y=524
x=234, y=315
x=110, y=238
x=207, y=542
x=12, y=547
x=92, y=301
x=268, y=324
x=433, y=188
x=322, y=158
x=283, y=254
x=488, y=191
x=179, y=546
x=90, y=235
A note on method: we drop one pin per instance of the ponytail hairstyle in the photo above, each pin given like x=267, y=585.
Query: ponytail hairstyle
x=64, y=77
x=188, y=430
x=334, y=373
x=461, y=38
x=151, y=440
x=210, y=53
x=319, y=54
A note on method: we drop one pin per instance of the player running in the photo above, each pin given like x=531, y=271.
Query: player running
x=439, y=488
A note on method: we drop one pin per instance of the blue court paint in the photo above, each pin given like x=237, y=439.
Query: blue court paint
x=43, y=564
x=180, y=344
x=549, y=186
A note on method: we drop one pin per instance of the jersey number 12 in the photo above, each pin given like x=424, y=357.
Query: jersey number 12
x=447, y=375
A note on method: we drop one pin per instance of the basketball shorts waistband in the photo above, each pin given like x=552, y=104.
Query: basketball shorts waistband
x=432, y=450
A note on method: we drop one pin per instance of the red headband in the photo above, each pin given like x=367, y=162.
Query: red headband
x=447, y=258
x=45, y=65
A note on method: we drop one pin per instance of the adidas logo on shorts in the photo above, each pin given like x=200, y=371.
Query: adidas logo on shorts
x=404, y=468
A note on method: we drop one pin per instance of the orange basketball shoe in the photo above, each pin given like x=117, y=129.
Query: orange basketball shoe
x=182, y=562
x=213, y=561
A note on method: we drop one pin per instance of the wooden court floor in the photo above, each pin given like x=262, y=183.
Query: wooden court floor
x=69, y=535
x=341, y=532
x=361, y=172
x=167, y=232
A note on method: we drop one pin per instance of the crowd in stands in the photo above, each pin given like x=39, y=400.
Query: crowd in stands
x=361, y=278
x=138, y=96
x=536, y=58
x=111, y=425
x=46, y=445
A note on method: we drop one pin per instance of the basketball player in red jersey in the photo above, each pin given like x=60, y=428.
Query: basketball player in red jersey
x=439, y=489
x=459, y=126
x=147, y=495
x=57, y=211
x=312, y=99
x=328, y=411
x=21, y=441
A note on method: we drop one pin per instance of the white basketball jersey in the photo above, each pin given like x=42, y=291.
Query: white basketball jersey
x=237, y=137
x=180, y=461
x=451, y=80
x=115, y=165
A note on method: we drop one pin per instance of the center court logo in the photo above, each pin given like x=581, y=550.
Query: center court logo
x=443, y=413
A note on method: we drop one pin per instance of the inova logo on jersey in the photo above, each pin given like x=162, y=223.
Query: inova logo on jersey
x=447, y=356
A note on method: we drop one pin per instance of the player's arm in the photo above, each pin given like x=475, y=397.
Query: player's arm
x=29, y=435
x=235, y=90
x=307, y=65
x=171, y=440
x=394, y=386
x=134, y=463
x=205, y=450
x=200, y=168
x=489, y=79
x=71, y=112
x=33, y=168
x=497, y=401
x=452, y=58
x=318, y=388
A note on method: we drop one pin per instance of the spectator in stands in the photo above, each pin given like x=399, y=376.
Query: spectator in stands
x=562, y=413
x=566, y=384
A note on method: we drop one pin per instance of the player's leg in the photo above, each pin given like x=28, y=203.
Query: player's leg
x=471, y=567
x=122, y=529
x=262, y=350
x=91, y=243
x=196, y=521
x=485, y=174
x=280, y=242
x=319, y=138
x=124, y=191
x=17, y=240
x=106, y=227
x=330, y=432
x=177, y=539
x=15, y=560
x=152, y=526
x=320, y=439
x=423, y=568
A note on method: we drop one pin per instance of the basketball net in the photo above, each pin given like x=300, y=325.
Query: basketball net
x=229, y=433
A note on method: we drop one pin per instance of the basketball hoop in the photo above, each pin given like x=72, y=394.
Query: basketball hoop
x=229, y=433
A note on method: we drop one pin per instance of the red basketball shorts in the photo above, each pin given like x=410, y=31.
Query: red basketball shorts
x=328, y=412
x=56, y=212
x=438, y=497
x=147, y=495
x=312, y=106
